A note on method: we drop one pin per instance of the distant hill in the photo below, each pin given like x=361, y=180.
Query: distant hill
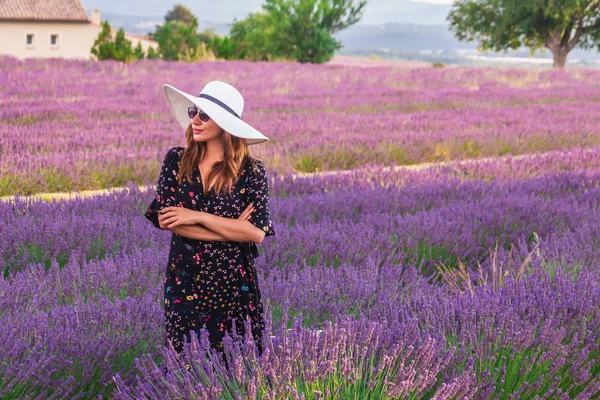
x=378, y=12
x=396, y=36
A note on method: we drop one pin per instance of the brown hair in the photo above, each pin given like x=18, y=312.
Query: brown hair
x=226, y=172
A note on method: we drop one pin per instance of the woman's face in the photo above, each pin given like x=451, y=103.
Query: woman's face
x=206, y=131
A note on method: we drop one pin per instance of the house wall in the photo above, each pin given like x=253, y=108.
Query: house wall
x=74, y=40
x=145, y=42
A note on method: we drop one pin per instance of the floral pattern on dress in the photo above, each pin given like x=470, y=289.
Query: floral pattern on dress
x=208, y=283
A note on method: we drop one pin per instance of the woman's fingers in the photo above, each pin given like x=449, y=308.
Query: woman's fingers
x=169, y=220
x=246, y=213
x=168, y=217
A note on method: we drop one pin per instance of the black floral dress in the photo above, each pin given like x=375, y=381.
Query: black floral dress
x=207, y=283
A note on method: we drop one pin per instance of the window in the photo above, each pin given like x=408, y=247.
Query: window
x=54, y=40
x=30, y=39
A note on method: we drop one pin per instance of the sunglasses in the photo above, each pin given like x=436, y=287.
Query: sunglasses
x=193, y=111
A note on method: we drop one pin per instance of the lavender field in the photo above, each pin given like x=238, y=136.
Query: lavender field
x=108, y=123
x=474, y=279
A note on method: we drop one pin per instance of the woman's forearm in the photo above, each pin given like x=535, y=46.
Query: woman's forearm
x=198, y=232
x=238, y=230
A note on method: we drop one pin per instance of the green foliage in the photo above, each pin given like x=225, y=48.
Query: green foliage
x=298, y=29
x=254, y=37
x=123, y=47
x=224, y=48
x=138, y=52
x=207, y=35
x=179, y=41
x=221, y=47
x=105, y=48
x=500, y=25
x=309, y=163
x=316, y=47
x=178, y=38
x=200, y=52
x=180, y=13
x=170, y=40
x=152, y=54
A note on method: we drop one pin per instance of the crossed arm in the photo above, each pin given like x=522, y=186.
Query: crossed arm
x=205, y=226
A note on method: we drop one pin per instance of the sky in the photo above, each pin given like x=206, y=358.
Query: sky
x=375, y=12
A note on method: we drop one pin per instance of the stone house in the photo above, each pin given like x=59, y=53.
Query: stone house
x=52, y=28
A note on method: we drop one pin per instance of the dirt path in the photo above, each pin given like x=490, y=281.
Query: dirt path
x=89, y=193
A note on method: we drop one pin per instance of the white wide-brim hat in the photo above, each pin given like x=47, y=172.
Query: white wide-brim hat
x=222, y=102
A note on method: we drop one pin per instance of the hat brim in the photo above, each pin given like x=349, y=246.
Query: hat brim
x=180, y=101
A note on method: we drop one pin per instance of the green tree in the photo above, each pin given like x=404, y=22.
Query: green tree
x=310, y=24
x=105, y=48
x=207, y=35
x=176, y=38
x=254, y=38
x=152, y=54
x=181, y=14
x=123, y=49
x=223, y=48
x=556, y=25
x=300, y=29
x=200, y=52
x=138, y=52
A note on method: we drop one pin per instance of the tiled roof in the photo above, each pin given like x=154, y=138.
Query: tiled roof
x=42, y=10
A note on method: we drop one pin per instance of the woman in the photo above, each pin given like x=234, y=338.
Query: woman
x=213, y=196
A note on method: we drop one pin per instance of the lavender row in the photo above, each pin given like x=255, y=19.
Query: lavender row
x=505, y=168
x=469, y=343
x=107, y=128
x=417, y=223
x=315, y=264
x=76, y=327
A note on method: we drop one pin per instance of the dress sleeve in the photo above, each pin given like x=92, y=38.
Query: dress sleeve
x=258, y=195
x=166, y=187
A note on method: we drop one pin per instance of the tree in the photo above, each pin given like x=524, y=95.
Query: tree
x=200, y=52
x=223, y=48
x=301, y=29
x=152, y=54
x=181, y=14
x=105, y=48
x=207, y=35
x=176, y=38
x=556, y=25
x=123, y=49
x=138, y=52
x=254, y=38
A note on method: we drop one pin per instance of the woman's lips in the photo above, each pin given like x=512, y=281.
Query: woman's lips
x=197, y=130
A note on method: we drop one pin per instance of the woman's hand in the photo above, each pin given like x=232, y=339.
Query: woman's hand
x=246, y=213
x=170, y=217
